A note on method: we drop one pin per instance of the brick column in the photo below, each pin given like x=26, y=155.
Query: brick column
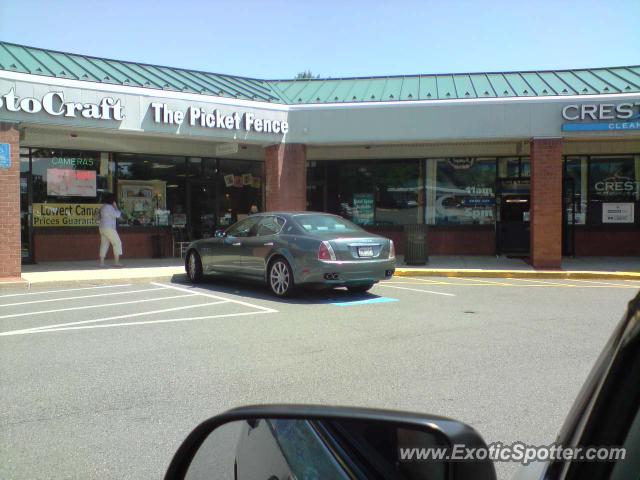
x=546, y=202
x=286, y=177
x=10, y=255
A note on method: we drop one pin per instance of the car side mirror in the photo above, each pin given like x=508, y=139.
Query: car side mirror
x=298, y=441
x=219, y=234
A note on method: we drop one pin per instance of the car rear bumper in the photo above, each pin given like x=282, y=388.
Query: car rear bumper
x=337, y=273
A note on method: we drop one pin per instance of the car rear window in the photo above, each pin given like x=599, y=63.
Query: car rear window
x=326, y=223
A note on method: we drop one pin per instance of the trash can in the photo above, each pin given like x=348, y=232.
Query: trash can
x=415, y=252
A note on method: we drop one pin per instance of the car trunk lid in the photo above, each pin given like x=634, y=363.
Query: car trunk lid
x=359, y=247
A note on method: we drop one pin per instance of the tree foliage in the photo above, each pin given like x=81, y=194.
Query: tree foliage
x=306, y=75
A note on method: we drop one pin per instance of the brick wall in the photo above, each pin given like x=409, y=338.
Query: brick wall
x=449, y=241
x=58, y=244
x=546, y=202
x=10, y=250
x=286, y=177
x=607, y=242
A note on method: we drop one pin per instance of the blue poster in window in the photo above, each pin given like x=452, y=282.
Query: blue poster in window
x=5, y=155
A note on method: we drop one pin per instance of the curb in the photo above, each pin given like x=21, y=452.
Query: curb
x=24, y=284
x=549, y=274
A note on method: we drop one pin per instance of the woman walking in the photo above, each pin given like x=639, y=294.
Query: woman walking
x=108, y=234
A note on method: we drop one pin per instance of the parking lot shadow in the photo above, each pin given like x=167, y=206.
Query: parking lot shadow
x=258, y=291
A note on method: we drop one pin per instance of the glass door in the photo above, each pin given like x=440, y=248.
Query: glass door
x=513, y=225
x=202, y=201
x=203, y=219
x=26, y=231
x=569, y=217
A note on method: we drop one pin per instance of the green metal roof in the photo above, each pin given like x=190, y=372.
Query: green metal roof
x=38, y=61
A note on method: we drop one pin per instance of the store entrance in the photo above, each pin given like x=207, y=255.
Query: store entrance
x=513, y=227
x=202, y=208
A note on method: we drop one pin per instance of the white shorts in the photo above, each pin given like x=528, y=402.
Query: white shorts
x=109, y=236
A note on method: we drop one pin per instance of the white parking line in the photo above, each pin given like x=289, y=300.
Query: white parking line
x=428, y=281
x=598, y=282
x=416, y=290
x=85, y=307
x=461, y=281
x=545, y=282
x=65, y=290
x=126, y=292
x=117, y=317
x=210, y=295
x=126, y=324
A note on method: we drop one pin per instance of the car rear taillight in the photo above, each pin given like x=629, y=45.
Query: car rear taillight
x=392, y=249
x=325, y=252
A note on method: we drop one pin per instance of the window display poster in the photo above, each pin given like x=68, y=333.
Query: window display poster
x=617, y=213
x=228, y=180
x=179, y=220
x=465, y=191
x=65, y=214
x=363, y=208
x=138, y=200
x=63, y=182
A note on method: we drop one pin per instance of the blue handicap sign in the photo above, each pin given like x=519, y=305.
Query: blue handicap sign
x=5, y=155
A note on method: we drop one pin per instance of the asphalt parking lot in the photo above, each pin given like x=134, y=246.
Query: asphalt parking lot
x=105, y=381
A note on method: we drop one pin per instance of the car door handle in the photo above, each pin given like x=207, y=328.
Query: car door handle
x=268, y=244
x=236, y=244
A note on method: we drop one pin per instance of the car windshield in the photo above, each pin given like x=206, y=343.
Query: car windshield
x=326, y=223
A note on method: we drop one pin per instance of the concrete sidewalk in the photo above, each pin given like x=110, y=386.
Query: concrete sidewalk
x=143, y=270
x=504, y=267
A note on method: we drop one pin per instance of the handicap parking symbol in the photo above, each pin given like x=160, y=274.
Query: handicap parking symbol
x=5, y=155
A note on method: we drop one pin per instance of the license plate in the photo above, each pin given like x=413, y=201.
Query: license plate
x=365, y=251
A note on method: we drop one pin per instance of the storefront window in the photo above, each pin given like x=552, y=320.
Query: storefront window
x=241, y=190
x=67, y=186
x=514, y=167
x=151, y=189
x=461, y=191
x=614, y=190
x=69, y=176
x=373, y=193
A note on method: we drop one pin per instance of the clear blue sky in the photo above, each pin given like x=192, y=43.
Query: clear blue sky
x=279, y=38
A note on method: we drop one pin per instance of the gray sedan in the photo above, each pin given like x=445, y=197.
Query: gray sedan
x=290, y=249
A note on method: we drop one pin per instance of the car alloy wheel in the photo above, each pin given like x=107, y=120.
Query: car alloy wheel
x=194, y=267
x=281, y=278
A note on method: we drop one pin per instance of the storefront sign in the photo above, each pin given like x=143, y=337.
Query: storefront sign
x=226, y=149
x=602, y=117
x=617, y=185
x=617, y=213
x=363, y=209
x=65, y=214
x=461, y=163
x=198, y=117
x=54, y=104
x=72, y=162
x=5, y=155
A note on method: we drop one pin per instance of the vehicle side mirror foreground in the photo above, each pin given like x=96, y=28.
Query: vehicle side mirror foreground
x=219, y=234
x=282, y=442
